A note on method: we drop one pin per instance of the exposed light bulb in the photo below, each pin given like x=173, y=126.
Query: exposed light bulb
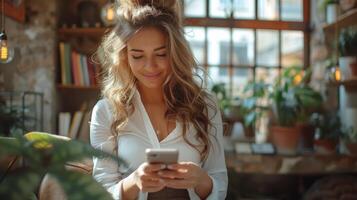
x=6, y=52
x=108, y=14
x=337, y=73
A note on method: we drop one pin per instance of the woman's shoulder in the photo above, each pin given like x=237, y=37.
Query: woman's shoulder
x=103, y=108
x=102, y=104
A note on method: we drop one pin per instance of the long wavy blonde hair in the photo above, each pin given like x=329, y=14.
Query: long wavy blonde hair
x=185, y=98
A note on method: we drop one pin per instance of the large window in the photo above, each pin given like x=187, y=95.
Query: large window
x=242, y=40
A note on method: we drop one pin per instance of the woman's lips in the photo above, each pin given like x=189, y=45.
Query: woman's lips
x=153, y=75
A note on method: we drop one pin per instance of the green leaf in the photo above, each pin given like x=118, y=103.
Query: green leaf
x=9, y=146
x=80, y=186
x=20, y=184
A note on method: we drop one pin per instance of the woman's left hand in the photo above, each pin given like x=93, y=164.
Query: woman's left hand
x=183, y=175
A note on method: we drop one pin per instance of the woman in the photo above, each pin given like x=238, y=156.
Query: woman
x=151, y=100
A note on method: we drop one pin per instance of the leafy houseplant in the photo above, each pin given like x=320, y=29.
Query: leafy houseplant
x=328, y=130
x=48, y=154
x=224, y=101
x=350, y=140
x=253, y=105
x=347, y=45
x=348, y=41
x=292, y=102
x=9, y=118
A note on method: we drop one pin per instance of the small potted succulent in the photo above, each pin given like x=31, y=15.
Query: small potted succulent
x=330, y=8
x=347, y=44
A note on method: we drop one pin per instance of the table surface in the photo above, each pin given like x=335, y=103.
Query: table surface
x=300, y=164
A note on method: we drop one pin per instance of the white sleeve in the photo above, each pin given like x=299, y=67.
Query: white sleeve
x=215, y=164
x=105, y=171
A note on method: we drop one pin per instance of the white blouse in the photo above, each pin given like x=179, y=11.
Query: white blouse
x=138, y=135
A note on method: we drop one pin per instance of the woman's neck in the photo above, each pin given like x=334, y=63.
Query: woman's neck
x=151, y=95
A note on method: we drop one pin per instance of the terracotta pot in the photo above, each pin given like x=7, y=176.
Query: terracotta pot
x=286, y=139
x=325, y=146
x=353, y=67
x=352, y=148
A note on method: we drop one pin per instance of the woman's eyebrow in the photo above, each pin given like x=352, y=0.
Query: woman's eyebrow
x=156, y=49
x=159, y=48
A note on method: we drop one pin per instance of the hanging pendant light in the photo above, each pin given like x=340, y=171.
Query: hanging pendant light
x=6, y=52
x=108, y=13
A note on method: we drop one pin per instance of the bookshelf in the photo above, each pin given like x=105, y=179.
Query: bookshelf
x=91, y=32
x=78, y=77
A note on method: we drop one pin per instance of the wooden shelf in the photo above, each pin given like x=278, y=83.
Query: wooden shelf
x=77, y=87
x=343, y=21
x=93, y=32
x=349, y=84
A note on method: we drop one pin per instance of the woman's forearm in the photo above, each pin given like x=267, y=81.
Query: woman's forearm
x=129, y=189
x=205, y=187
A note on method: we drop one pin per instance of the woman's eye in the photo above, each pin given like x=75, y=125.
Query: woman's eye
x=161, y=55
x=137, y=57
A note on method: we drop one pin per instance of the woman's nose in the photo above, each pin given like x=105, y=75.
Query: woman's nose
x=150, y=63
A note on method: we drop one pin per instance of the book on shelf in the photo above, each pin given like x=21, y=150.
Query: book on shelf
x=64, y=123
x=76, y=126
x=76, y=68
x=76, y=122
x=83, y=134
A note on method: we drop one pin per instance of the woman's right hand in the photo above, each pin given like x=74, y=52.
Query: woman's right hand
x=147, y=179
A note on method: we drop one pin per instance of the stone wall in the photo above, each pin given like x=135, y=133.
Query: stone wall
x=33, y=67
x=320, y=55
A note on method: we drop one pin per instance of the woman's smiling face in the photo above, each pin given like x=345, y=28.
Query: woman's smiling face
x=148, y=57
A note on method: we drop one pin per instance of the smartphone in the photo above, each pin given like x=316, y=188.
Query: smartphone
x=162, y=156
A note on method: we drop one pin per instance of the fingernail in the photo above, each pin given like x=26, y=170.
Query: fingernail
x=170, y=167
x=163, y=166
x=160, y=173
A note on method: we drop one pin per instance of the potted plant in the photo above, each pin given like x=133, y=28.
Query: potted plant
x=254, y=105
x=349, y=139
x=348, y=51
x=49, y=154
x=328, y=130
x=330, y=8
x=292, y=102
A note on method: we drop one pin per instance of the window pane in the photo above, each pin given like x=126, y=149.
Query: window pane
x=217, y=75
x=244, y=9
x=243, y=47
x=196, y=37
x=195, y=8
x=292, y=48
x=291, y=10
x=266, y=75
x=268, y=9
x=267, y=48
x=218, y=46
x=241, y=77
x=220, y=8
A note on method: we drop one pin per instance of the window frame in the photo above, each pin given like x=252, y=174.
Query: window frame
x=255, y=24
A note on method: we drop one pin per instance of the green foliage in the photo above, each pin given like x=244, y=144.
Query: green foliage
x=10, y=119
x=323, y=4
x=327, y=125
x=251, y=106
x=224, y=101
x=292, y=98
x=348, y=41
x=45, y=153
x=349, y=135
